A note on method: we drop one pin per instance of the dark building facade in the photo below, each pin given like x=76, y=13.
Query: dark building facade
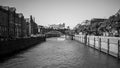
x=3, y=23
x=13, y=25
x=34, y=26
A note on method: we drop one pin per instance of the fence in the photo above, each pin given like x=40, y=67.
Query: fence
x=108, y=45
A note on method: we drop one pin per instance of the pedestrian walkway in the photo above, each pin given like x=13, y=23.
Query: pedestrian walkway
x=61, y=53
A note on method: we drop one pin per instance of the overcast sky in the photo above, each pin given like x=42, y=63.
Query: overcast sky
x=70, y=12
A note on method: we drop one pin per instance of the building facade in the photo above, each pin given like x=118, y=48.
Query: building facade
x=3, y=23
x=33, y=25
x=13, y=25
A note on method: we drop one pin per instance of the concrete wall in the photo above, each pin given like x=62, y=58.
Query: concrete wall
x=107, y=45
x=13, y=46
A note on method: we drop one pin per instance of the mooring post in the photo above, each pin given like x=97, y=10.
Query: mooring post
x=118, y=49
x=94, y=42
x=82, y=39
x=85, y=39
x=100, y=44
x=108, y=44
x=88, y=41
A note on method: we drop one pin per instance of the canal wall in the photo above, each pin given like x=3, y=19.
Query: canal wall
x=14, y=46
x=108, y=45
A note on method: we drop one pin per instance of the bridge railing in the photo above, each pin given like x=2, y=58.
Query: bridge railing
x=108, y=45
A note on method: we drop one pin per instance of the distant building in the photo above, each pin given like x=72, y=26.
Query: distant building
x=97, y=20
x=92, y=21
x=86, y=22
x=40, y=29
x=59, y=26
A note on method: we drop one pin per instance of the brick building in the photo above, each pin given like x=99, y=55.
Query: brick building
x=34, y=26
x=13, y=25
x=3, y=22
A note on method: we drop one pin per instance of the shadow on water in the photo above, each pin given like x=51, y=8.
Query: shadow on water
x=15, y=53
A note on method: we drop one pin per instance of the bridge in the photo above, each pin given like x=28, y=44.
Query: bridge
x=49, y=32
x=56, y=33
x=53, y=34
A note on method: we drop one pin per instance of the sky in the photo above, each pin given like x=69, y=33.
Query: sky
x=70, y=12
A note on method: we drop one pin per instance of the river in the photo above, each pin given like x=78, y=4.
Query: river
x=61, y=53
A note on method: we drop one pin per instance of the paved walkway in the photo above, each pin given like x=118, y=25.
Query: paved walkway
x=61, y=53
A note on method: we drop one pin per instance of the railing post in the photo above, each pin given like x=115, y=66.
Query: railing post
x=94, y=42
x=100, y=44
x=118, y=49
x=108, y=44
x=88, y=41
x=85, y=39
x=80, y=39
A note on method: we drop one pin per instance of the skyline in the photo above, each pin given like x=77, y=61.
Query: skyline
x=70, y=12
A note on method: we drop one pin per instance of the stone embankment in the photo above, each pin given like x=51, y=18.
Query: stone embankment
x=14, y=46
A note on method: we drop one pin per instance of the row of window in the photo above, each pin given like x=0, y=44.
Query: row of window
x=3, y=31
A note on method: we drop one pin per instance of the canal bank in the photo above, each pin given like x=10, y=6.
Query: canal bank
x=11, y=47
x=107, y=45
